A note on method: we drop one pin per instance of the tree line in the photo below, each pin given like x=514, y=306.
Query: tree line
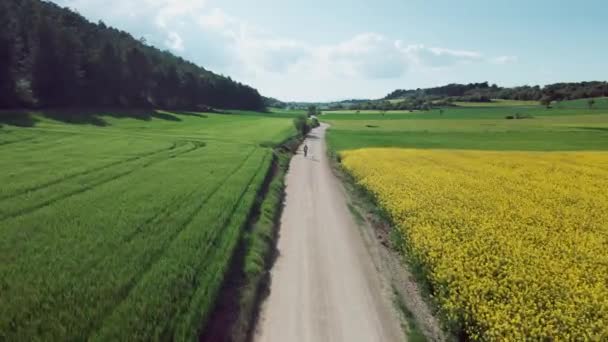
x=484, y=92
x=54, y=57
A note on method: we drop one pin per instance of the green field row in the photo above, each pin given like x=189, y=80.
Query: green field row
x=573, y=127
x=124, y=231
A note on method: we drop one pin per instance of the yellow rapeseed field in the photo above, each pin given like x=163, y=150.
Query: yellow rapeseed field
x=515, y=243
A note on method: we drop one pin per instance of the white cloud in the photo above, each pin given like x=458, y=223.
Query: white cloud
x=217, y=20
x=175, y=42
x=168, y=10
x=254, y=49
x=229, y=45
x=504, y=60
x=367, y=55
x=161, y=10
x=364, y=56
x=436, y=57
x=456, y=53
x=157, y=19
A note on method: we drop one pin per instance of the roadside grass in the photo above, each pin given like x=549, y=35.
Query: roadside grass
x=260, y=251
x=356, y=214
x=414, y=334
x=366, y=211
x=124, y=230
x=235, y=314
x=259, y=242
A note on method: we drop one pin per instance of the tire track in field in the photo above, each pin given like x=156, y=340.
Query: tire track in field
x=160, y=214
x=176, y=203
x=86, y=172
x=48, y=141
x=93, y=185
x=124, y=294
x=96, y=262
x=2, y=144
x=147, y=135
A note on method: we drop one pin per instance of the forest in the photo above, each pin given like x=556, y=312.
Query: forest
x=52, y=57
x=447, y=95
x=484, y=92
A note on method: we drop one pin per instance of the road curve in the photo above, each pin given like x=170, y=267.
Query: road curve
x=324, y=286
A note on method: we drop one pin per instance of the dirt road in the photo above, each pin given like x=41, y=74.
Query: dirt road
x=324, y=284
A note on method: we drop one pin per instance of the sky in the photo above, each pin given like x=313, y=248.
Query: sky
x=326, y=50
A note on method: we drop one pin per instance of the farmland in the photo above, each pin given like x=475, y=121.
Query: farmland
x=506, y=219
x=514, y=242
x=571, y=126
x=121, y=226
x=497, y=103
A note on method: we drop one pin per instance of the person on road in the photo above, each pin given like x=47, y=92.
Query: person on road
x=305, y=150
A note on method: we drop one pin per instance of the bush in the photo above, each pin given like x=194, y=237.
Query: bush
x=518, y=116
x=301, y=125
x=523, y=116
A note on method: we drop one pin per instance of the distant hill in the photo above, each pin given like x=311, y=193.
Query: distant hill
x=483, y=92
x=53, y=57
x=302, y=105
x=272, y=102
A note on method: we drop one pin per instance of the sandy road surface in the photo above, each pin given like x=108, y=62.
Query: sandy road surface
x=324, y=285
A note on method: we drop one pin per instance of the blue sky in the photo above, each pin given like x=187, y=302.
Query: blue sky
x=329, y=50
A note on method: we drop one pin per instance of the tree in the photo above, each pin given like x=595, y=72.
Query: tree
x=111, y=76
x=46, y=61
x=8, y=63
x=138, y=82
x=7, y=70
x=546, y=101
x=481, y=92
x=558, y=103
x=301, y=125
x=168, y=88
x=590, y=103
x=312, y=110
x=69, y=73
x=190, y=89
x=52, y=56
